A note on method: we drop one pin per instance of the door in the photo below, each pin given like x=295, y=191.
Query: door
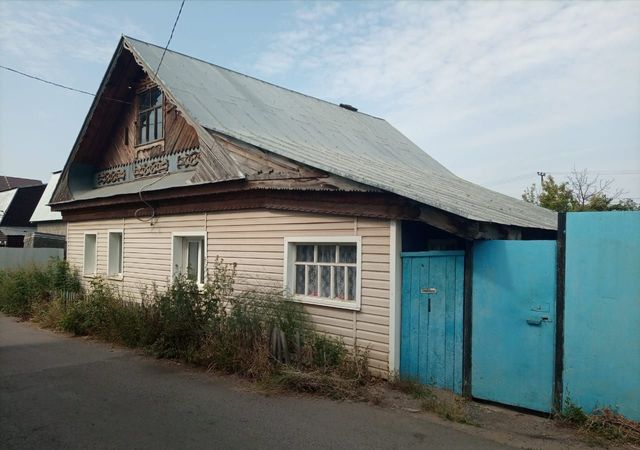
x=513, y=332
x=431, y=336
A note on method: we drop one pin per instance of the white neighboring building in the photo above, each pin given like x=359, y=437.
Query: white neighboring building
x=43, y=218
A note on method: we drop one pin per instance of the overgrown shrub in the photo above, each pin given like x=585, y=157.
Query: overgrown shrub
x=185, y=315
x=262, y=335
x=21, y=289
x=327, y=352
x=94, y=312
x=49, y=314
x=254, y=332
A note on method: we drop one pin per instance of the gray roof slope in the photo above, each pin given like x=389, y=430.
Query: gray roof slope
x=320, y=134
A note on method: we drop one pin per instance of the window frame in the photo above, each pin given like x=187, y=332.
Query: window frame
x=289, y=277
x=116, y=275
x=84, y=254
x=179, y=252
x=140, y=111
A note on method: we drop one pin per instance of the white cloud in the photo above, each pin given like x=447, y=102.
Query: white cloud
x=318, y=10
x=39, y=35
x=471, y=79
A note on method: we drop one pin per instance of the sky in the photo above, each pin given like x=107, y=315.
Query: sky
x=495, y=91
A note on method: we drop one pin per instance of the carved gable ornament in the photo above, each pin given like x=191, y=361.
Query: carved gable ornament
x=148, y=167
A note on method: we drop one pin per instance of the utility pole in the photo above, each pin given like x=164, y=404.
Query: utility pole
x=541, y=175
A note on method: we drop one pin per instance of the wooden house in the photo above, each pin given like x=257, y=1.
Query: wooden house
x=170, y=171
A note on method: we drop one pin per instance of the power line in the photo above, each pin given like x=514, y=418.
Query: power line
x=523, y=176
x=169, y=41
x=603, y=172
x=53, y=83
x=80, y=91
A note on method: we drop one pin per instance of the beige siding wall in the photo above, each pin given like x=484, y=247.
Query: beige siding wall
x=255, y=241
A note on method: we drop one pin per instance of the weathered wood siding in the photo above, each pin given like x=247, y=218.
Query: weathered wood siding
x=178, y=134
x=255, y=241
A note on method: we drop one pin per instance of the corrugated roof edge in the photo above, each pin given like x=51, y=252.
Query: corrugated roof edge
x=253, y=78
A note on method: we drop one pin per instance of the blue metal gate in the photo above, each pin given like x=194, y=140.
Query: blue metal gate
x=513, y=332
x=432, y=302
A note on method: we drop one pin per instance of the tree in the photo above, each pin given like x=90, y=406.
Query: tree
x=592, y=194
x=579, y=193
x=557, y=197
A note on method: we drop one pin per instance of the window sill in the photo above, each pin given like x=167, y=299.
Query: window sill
x=116, y=277
x=147, y=144
x=350, y=305
x=89, y=275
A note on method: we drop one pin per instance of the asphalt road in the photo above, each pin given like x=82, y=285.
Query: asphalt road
x=59, y=392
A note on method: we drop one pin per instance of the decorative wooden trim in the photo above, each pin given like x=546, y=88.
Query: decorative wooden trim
x=150, y=149
x=188, y=160
x=150, y=168
x=111, y=177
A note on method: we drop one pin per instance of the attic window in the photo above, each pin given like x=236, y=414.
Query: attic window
x=150, y=116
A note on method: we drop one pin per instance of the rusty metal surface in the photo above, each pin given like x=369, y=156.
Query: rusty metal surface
x=323, y=135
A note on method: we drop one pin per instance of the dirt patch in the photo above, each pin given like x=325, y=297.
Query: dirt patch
x=501, y=424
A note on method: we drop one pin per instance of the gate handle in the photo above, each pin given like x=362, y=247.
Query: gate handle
x=534, y=322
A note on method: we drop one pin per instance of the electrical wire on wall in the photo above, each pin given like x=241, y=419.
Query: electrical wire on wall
x=152, y=219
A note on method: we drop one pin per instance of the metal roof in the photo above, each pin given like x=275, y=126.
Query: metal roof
x=43, y=212
x=6, y=197
x=326, y=136
x=155, y=183
x=7, y=183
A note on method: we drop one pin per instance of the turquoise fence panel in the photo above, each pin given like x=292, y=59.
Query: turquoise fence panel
x=602, y=311
x=432, y=303
x=513, y=332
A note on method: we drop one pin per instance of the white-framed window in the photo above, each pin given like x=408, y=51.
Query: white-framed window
x=189, y=255
x=90, y=262
x=115, y=254
x=324, y=270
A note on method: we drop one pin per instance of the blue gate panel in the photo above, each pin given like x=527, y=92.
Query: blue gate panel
x=432, y=303
x=513, y=331
x=602, y=311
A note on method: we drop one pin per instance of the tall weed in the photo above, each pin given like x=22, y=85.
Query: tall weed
x=262, y=335
x=23, y=288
